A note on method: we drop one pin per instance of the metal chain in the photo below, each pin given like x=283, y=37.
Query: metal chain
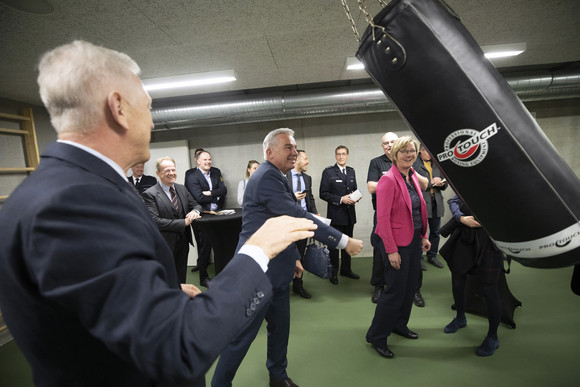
x=368, y=17
x=362, y=7
x=350, y=18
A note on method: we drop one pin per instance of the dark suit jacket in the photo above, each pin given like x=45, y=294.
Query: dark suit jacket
x=310, y=203
x=333, y=186
x=145, y=183
x=267, y=195
x=170, y=222
x=88, y=286
x=196, y=183
x=419, y=167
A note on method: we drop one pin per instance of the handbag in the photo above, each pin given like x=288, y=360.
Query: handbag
x=317, y=260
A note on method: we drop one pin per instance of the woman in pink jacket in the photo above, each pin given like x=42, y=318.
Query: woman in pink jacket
x=402, y=227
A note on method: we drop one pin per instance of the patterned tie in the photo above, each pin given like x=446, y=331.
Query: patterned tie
x=174, y=198
x=299, y=185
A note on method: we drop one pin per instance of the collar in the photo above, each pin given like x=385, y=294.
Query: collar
x=99, y=155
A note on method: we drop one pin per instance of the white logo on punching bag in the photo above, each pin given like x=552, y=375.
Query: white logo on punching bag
x=471, y=148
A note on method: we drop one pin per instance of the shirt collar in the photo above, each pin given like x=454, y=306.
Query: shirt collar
x=98, y=155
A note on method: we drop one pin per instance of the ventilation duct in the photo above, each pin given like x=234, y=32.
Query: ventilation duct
x=285, y=105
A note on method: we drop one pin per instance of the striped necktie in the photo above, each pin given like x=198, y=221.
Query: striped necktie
x=174, y=198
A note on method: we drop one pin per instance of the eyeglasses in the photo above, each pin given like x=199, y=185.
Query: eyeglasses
x=408, y=152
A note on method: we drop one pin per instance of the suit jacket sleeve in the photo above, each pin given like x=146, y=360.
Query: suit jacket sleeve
x=279, y=201
x=326, y=193
x=118, y=289
x=154, y=203
x=191, y=203
x=311, y=203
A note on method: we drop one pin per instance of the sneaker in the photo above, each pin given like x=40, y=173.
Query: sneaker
x=455, y=324
x=488, y=347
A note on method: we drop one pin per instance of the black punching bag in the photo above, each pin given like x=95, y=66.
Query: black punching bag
x=487, y=144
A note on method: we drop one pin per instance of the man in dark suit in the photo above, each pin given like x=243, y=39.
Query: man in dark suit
x=268, y=194
x=206, y=185
x=139, y=180
x=301, y=184
x=88, y=286
x=337, y=184
x=173, y=210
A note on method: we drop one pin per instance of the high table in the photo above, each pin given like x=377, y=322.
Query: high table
x=223, y=232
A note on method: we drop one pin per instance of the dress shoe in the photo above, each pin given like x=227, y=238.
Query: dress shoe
x=204, y=282
x=334, y=279
x=423, y=267
x=384, y=351
x=409, y=334
x=377, y=294
x=418, y=299
x=488, y=347
x=435, y=262
x=455, y=324
x=350, y=275
x=282, y=383
x=194, y=268
x=298, y=288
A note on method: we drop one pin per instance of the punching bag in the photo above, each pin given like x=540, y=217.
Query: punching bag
x=485, y=141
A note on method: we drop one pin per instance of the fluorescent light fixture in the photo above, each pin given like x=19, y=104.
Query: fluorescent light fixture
x=503, y=50
x=189, y=80
x=354, y=64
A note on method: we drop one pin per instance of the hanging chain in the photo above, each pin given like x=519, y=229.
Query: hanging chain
x=368, y=17
x=363, y=8
x=351, y=20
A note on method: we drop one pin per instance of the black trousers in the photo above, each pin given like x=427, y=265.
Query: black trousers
x=180, y=253
x=345, y=266
x=203, y=251
x=394, y=306
x=378, y=273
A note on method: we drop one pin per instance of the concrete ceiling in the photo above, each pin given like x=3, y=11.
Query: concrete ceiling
x=268, y=43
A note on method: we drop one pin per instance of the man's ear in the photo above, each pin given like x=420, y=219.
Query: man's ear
x=117, y=107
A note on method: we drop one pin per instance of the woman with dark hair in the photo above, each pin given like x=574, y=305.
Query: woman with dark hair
x=402, y=227
x=250, y=169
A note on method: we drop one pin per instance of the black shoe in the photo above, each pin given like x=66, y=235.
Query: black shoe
x=423, y=267
x=418, y=300
x=298, y=288
x=282, y=383
x=204, y=282
x=334, y=279
x=435, y=262
x=377, y=294
x=409, y=334
x=350, y=275
x=384, y=351
x=194, y=268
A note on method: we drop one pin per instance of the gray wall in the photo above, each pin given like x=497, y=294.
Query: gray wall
x=232, y=146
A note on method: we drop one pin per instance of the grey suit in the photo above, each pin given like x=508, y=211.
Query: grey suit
x=171, y=222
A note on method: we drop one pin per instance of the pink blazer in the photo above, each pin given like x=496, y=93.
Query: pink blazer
x=394, y=211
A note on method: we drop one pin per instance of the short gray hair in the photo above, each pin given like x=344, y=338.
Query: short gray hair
x=271, y=139
x=73, y=81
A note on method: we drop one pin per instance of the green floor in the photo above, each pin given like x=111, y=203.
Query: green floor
x=327, y=345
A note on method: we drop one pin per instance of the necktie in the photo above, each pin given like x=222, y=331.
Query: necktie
x=299, y=185
x=137, y=181
x=174, y=198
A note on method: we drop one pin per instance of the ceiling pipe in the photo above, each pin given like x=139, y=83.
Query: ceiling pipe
x=284, y=105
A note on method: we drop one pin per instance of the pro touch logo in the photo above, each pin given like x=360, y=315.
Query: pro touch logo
x=467, y=147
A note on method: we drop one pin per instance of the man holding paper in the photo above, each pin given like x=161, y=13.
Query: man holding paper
x=338, y=188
